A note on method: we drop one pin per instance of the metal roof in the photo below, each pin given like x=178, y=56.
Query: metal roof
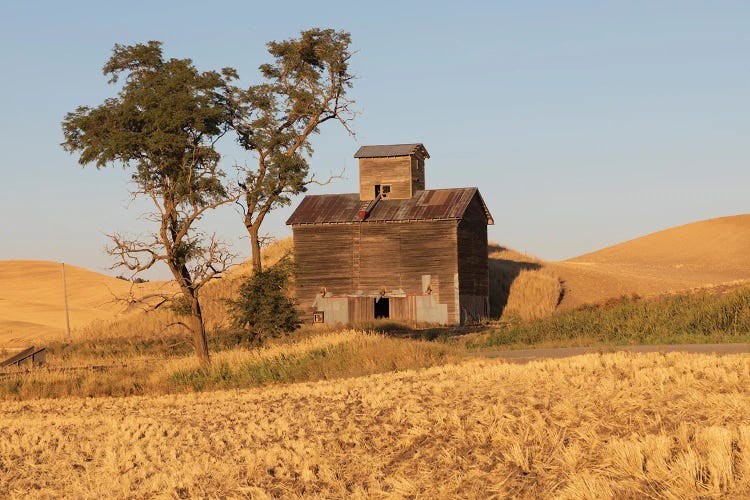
x=391, y=150
x=433, y=204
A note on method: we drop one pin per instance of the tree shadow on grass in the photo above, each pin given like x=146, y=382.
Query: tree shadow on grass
x=422, y=332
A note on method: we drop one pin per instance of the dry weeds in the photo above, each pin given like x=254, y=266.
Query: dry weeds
x=521, y=286
x=534, y=294
x=595, y=426
x=128, y=372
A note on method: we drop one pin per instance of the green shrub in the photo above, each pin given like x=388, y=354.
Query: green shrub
x=263, y=307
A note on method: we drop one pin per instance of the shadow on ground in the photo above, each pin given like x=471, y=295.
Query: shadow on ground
x=503, y=272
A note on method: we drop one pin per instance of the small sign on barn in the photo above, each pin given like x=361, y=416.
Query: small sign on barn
x=395, y=249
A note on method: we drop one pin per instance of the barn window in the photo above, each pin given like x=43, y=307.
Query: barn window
x=384, y=190
x=318, y=317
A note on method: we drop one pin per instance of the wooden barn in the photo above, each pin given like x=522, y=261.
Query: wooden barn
x=395, y=249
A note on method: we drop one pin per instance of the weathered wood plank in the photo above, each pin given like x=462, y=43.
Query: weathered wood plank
x=397, y=172
x=473, y=268
x=394, y=256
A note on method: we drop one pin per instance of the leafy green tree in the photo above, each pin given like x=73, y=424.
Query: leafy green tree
x=306, y=86
x=163, y=126
x=263, y=306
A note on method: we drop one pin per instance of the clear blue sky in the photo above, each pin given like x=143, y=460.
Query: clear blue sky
x=583, y=123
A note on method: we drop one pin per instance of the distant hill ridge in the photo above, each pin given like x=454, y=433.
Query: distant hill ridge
x=722, y=243
x=702, y=254
x=32, y=302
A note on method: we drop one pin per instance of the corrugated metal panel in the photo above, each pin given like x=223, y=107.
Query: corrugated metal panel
x=434, y=204
x=330, y=208
x=391, y=150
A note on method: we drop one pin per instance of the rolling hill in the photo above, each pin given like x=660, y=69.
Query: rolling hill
x=32, y=303
x=705, y=254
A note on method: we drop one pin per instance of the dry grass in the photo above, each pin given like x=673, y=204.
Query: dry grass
x=534, y=294
x=596, y=426
x=521, y=286
x=119, y=367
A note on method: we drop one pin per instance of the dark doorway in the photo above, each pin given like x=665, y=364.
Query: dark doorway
x=382, y=309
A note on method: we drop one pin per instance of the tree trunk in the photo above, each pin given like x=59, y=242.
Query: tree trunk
x=255, y=247
x=200, y=342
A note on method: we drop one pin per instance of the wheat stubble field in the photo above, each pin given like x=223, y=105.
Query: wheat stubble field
x=388, y=417
x=594, y=426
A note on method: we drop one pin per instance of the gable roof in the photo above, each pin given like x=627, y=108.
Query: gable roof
x=433, y=204
x=391, y=150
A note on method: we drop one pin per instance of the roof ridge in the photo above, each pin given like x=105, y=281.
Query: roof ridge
x=386, y=150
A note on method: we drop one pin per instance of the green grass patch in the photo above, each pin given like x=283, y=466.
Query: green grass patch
x=689, y=318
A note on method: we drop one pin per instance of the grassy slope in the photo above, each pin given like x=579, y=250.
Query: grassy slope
x=148, y=366
x=702, y=317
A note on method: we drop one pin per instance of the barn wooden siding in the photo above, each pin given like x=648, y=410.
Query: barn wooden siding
x=365, y=257
x=473, y=269
x=393, y=171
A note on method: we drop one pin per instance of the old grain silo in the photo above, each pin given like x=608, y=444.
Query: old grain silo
x=395, y=249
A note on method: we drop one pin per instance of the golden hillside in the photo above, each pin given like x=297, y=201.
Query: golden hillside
x=702, y=254
x=32, y=306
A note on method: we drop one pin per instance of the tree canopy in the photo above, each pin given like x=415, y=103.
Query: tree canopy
x=305, y=86
x=163, y=126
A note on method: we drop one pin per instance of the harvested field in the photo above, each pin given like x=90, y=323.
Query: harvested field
x=594, y=426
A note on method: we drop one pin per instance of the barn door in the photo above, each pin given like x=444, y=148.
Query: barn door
x=399, y=308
